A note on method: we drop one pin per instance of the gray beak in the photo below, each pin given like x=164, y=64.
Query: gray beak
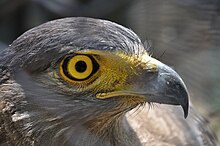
x=155, y=82
x=163, y=86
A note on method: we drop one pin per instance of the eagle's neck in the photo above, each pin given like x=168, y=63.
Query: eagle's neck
x=114, y=129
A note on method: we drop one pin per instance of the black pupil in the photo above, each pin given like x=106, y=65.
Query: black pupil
x=80, y=66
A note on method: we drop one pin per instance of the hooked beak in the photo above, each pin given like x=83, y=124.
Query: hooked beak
x=156, y=82
x=165, y=86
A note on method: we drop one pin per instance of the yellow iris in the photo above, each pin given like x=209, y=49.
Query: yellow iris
x=79, y=67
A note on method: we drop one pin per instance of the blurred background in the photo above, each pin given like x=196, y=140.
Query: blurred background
x=183, y=34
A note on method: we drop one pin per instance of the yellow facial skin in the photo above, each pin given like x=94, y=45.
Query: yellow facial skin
x=114, y=75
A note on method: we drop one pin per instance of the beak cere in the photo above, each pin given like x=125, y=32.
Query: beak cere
x=163, y=86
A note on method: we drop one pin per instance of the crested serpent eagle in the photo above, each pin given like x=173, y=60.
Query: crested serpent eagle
x=90, y=82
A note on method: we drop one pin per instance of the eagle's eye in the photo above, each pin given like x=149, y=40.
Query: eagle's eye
x=78, y=67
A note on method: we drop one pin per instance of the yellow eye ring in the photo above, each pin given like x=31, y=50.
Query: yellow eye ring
x=78, y=67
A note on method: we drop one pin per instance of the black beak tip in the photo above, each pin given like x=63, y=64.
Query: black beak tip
x=185, y=110
x=185, y=107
